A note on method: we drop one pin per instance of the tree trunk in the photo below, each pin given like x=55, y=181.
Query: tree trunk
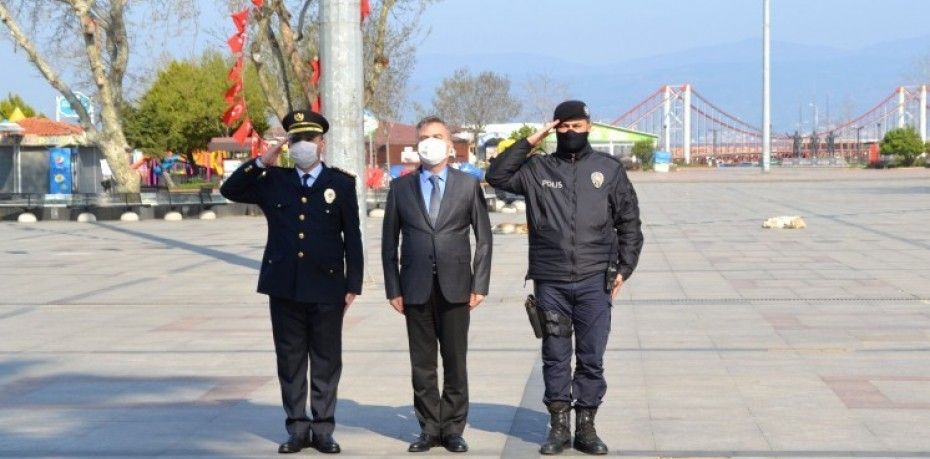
x=127, y=179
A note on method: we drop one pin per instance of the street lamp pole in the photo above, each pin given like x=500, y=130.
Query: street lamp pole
x=342, y=92
x=766, y=95
x=858, y=143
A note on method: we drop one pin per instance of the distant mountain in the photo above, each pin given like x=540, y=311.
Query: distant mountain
x=729, y=74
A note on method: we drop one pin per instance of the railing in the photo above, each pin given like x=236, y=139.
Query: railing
x=147, y=197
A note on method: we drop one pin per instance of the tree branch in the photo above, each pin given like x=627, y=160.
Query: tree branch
x=117, y=45
x=44, y=68
x=289, y=43
x=272, y=92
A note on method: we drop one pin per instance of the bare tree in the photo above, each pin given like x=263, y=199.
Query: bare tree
x=541, y=93
x=474, y=101
x=285, y=43
x=88, y=39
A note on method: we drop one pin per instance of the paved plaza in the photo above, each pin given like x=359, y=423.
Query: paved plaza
x=148, y=339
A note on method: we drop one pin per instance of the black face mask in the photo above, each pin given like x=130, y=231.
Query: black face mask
x=571, y=142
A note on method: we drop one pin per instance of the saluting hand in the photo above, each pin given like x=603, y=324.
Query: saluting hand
x=270, y=158
x=398, y=304
x=542, y=132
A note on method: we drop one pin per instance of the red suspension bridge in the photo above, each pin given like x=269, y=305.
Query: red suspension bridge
x=693, y=128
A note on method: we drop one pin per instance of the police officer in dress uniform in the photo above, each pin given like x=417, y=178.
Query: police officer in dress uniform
x=585, y=239
x=311, y=271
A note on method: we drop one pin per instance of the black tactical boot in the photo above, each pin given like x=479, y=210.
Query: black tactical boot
x=586, y=439
x=560, y=430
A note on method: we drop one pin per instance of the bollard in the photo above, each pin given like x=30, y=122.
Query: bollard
x=86, y=217
x=27, y=217
x=208, y=215
x=129, y=216
x=173, y=216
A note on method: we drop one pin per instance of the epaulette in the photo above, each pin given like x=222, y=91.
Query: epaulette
x=342, y=171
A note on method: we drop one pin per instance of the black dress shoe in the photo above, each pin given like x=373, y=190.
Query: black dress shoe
x=294, y=444
x=423, y=443
x=325, y=443
x=455, y=444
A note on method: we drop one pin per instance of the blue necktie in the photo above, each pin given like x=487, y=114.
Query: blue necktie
x=434, y=199
x=306, y=179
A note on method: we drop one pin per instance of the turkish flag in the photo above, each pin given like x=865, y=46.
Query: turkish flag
x=236, y=42
x=245, y=129
x=258, y=145
x=233, y=113
x=316, y=106
x=315, y=66
x=366, y=10
x=240, y=18
x=235, y=73
x=258, y=3
x=233, y=92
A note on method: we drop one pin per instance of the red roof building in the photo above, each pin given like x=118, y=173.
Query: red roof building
x=45, y=127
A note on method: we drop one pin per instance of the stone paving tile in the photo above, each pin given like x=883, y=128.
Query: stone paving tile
x=148, y=339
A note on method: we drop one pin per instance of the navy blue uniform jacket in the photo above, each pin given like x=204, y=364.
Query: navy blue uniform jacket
x=314, y=248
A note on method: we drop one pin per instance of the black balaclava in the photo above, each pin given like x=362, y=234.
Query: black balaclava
x=571, y=142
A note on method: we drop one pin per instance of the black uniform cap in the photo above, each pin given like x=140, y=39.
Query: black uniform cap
x=304, y=121
x=571, y=110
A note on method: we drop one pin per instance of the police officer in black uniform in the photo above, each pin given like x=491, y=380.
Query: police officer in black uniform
x=585, y=239
x=311, y=270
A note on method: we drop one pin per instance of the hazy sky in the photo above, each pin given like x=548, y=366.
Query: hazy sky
x=590, y=30
x=576, y=30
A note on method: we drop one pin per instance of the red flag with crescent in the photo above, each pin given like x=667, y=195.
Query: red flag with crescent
x=233, y=92
x=235, y=73
x=366, y=10
x=233, y=113
x=240, y=18
x=245, y=129
x=258, y=145
x=315, y=66
x=236, y=42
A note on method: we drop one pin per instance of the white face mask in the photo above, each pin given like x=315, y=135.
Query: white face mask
x=432, y=151
x=303, y=153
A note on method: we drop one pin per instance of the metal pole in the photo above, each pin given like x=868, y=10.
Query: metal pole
x=371, y=149
x=667, y=119
x=341, y=91
x=766, y=95
x=687, y=124
x=901, y=106
x=858, y=143
x=17, y=150
x=923, y=113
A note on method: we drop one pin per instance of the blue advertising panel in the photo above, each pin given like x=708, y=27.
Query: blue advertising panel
x=59, y=171
x=662, y=157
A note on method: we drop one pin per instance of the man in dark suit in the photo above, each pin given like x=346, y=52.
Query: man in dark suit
x=438, y=283
x=311, y=270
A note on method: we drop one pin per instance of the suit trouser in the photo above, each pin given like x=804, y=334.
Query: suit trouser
x=588, y=305
x=302, y=331
x=447, y=324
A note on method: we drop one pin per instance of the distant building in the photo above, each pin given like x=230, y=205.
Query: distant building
x=25, y=162
x=390, y=140
x=613, y=140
